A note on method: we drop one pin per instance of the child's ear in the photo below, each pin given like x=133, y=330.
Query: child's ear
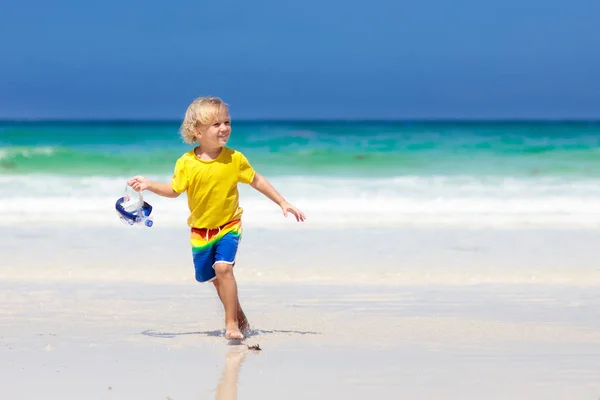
x=198, y=133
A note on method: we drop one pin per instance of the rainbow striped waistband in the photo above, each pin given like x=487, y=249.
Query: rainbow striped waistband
x=207, y=235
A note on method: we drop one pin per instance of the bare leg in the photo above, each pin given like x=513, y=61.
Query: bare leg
x=227, y=290
x=242, y=320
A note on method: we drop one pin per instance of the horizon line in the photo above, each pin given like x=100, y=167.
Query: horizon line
x=305, y=120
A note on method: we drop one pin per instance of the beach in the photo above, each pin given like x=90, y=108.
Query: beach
x=438, y=260
x=441, y=162
x=413, y=313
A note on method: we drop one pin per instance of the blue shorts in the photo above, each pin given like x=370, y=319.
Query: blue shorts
x=220, y=248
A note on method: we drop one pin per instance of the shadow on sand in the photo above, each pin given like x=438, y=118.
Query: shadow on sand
x=221, y=333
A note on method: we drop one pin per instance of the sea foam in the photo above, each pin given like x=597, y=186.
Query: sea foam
x=409, y=201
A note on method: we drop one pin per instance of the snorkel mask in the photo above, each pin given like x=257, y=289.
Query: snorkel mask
x=133, y=209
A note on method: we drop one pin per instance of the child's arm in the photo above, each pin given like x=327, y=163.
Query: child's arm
x=261, y=184
x=140, y=183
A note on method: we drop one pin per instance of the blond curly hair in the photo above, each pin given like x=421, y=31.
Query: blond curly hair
x=202, y=112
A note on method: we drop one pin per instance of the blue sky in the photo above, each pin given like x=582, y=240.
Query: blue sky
x=308, y=59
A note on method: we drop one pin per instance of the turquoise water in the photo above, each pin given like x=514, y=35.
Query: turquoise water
x=339, y=173
x=312, y=148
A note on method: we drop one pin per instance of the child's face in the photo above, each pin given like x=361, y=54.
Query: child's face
x=216, y=134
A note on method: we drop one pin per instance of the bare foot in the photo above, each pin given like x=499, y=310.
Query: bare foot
x=233, y=332
x=244, y=326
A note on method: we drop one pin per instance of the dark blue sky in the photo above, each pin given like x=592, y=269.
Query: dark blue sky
x=303, y=59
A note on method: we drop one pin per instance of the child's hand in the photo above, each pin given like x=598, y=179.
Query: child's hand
x=287, y=207
x=139, y=183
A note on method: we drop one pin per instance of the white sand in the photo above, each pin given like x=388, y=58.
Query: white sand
x=115, y=314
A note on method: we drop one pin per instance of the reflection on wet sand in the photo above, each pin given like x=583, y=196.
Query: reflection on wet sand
x=228, y=382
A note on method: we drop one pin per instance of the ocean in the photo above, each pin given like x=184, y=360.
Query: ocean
x=341, y=173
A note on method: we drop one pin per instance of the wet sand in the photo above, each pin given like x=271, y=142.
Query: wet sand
x=115, y=314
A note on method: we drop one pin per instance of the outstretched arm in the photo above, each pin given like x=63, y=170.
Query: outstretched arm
x=140, y=183
x=261, y=184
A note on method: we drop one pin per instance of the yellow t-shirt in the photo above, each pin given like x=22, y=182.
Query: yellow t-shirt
x=212, y=192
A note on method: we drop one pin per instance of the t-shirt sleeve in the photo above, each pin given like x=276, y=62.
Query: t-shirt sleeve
x=247, y=173
x=180, y=182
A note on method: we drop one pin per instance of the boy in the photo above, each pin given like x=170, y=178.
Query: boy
x=209, y=174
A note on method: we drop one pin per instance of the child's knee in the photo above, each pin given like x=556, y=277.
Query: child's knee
x=223, y=269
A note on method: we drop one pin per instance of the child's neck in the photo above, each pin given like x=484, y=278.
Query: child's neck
x=207, y=154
